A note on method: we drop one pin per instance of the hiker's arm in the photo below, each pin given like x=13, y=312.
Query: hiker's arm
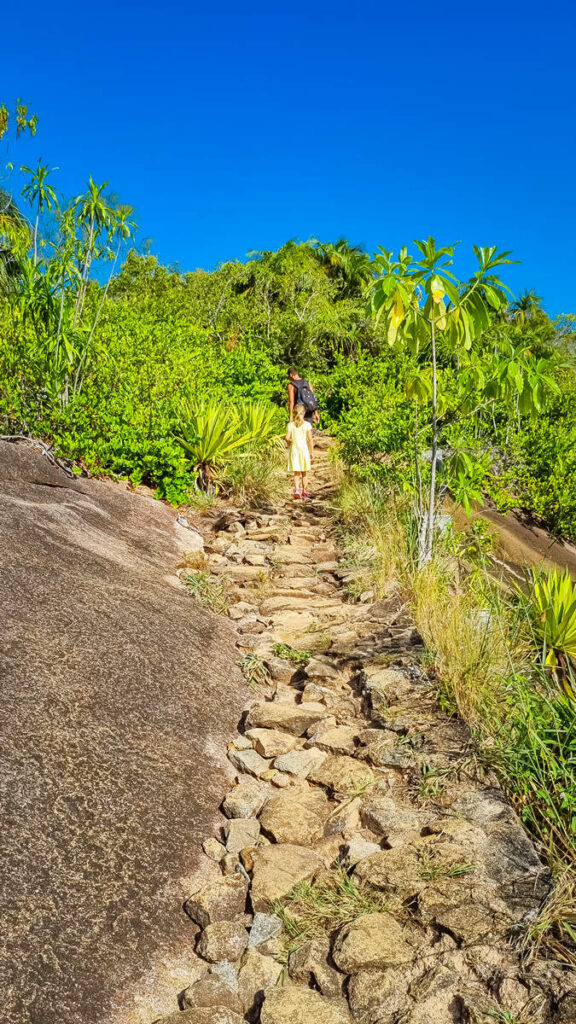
x=291, y=393
x=315, y=417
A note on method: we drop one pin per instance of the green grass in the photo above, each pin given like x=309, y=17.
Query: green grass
x=431, y=872
x=209, y=591
x=255, y=670
x=319, y=908
x=291, y=654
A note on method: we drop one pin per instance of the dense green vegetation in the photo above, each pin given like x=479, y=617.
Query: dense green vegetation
x=430, y=384
x=109, y=369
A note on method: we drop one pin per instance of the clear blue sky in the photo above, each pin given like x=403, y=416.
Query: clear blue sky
x=232, y=127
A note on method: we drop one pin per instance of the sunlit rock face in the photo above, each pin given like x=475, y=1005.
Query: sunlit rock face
x=118, y=695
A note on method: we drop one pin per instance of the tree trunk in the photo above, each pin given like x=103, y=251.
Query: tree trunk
x=429, y=535
x=84, y=277
x=36, y=236
x=77, y=380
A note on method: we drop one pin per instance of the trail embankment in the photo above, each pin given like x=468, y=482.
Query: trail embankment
x=118, y=696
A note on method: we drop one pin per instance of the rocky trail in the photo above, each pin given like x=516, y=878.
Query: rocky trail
x=367, y=867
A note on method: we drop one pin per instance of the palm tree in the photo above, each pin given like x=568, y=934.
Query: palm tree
x=93, y=213
x=39, y=192
x=14, y=239
x=347, y=264
x=526, y=306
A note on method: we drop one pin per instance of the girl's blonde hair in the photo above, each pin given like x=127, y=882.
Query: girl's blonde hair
x=299, y=413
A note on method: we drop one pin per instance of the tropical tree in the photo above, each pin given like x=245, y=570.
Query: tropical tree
x=14, y=240
x=526, y=306
x=20, y=117
x=120, y=230
x=93, y=216
x=424, y=306
x=41, y=196
x=349, y=265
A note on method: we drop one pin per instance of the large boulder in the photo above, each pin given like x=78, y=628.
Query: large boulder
x=113, y=744
x=277, y=869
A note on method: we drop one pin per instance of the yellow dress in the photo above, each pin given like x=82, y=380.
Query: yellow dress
x=298, y=452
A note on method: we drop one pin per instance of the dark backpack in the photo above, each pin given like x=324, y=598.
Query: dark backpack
x=304, y=395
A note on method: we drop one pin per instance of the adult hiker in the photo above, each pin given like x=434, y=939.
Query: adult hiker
x=301, y=392
x=300, y=450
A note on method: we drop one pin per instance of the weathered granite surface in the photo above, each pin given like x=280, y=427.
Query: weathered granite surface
x=118, y=694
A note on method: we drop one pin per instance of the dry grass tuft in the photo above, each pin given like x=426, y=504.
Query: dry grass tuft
x=553, y=933
x=375, y=542
x=470, y=643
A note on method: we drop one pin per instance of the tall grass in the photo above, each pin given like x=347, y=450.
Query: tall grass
x=467, y=630
x=491, y=671
x=255, y=479
x=374, y=534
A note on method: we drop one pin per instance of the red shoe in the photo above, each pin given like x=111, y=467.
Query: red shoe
x=297, y=494
x=305, y=494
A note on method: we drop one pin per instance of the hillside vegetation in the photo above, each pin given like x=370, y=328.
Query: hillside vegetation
x=430, y=384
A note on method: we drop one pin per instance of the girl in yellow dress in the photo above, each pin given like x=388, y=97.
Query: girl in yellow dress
x=300, y=449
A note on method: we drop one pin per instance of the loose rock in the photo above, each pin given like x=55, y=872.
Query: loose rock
x=223, y=940
x=257, y=974
x=277, y=869
x=337, y=741
x=300, y=762
x=342, y=774
x=244, y=801
x=372, y=941
x=212, y=990
x=271, y=742
x=264, y=927
x=295, y=816
x=357, y=849
x=292, y=718
x=248, y=761
x=292, y=1005
x=222, y=900
x=213, y=849
x=241, y=832
x=203, y=1015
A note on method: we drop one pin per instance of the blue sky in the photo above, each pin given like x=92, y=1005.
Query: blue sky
x=231, y=127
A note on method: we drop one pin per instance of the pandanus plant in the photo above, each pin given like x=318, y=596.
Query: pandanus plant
x=213, y=431
x=551, y=608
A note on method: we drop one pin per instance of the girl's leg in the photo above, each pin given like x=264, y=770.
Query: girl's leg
x=297, y=484
x=304, y=480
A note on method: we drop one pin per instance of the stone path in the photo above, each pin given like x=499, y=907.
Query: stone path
x=355, y=793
